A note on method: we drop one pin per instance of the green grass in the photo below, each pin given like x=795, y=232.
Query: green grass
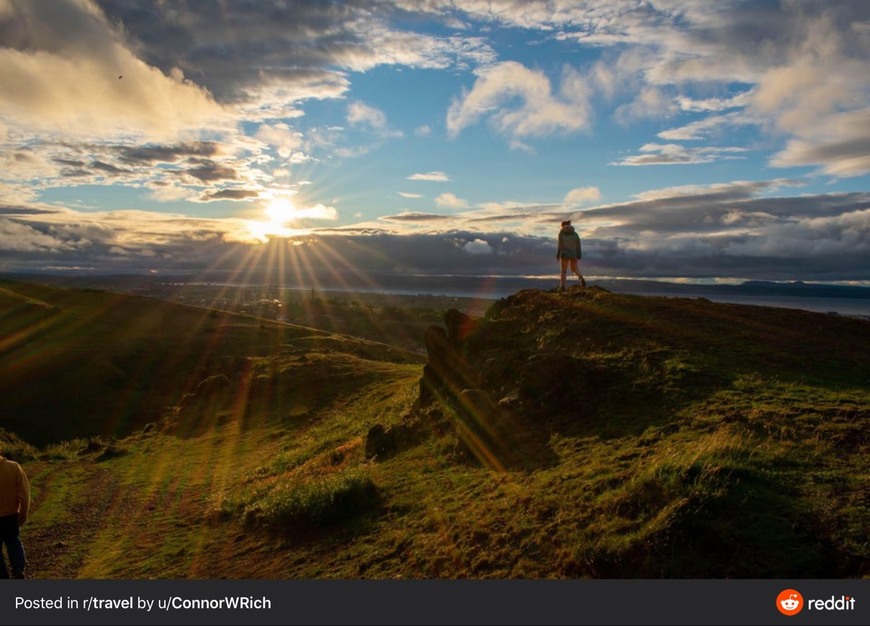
x=714, y=446
x=324, y=499
x=116, y=362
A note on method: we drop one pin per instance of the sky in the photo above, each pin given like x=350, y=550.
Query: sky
x=685, y=139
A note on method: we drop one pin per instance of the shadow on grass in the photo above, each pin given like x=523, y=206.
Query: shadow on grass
x=751, y=525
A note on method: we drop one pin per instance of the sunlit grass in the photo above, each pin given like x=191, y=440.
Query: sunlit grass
x=700, y=463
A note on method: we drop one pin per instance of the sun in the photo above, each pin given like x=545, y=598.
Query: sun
x=280, y=211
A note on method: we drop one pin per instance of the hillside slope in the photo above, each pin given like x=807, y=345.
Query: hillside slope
x=82, y=362
x=584, y=434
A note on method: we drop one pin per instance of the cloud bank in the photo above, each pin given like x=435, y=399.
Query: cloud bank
x=734, y=230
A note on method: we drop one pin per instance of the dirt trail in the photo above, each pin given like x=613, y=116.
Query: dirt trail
x=57, y=550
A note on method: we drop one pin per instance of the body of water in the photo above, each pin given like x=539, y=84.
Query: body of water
x=858, y=307
x=494, y=288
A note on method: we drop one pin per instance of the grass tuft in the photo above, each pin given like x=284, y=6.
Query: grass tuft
x=317, y=500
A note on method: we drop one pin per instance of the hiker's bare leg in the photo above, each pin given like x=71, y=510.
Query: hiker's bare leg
x=576, y=271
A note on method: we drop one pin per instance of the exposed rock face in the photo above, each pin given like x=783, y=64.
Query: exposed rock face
x=506, y=382
x=447, y=372
x=438, y=364
x=463, y=379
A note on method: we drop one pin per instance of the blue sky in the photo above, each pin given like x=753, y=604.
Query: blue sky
x=686, y=139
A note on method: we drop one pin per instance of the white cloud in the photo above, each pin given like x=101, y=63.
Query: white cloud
x=714, y=104
x=352, y=152
x=316, y=212
x=412, y=196
x=581, y=195
x=651, y=102
x=839, y=144
x=361, y=113
x=423, y=131
x=437, y=177
x=519, y=102
x=450, y=201
x=78, y=77
x=478, y=246
x=707, y=126
x=817, y=77
x=170, y=192
x=18, y=237
x=26, y=164
x=675, y=154
x=274, y=98
x=735, y=190
x=281, y=136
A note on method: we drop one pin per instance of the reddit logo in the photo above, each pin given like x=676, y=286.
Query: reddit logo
x=789, y=602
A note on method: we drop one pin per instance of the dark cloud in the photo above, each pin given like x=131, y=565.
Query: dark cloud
x=416, y=217
x=150, y=154
x=806, y=244
x=229, y=194
x=732, y=230
x=70, y=162
x=209, y=172
x=537, y=213
x=234, y=47
x=109, y=168
x=9, y=209
x=75, y=172
x=731, y=208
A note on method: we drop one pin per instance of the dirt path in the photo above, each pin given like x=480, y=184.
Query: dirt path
x=57, y=551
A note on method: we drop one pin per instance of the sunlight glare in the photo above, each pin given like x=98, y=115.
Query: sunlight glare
x=280, y=211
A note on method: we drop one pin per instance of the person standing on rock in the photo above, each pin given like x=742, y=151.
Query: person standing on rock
x=568, y=253
x=14, y=504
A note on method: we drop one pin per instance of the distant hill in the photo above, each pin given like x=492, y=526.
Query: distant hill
x=83, y=362
x=560, y=435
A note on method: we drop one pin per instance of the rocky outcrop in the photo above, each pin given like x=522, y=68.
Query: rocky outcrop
x=504, y=383
x=447, y=371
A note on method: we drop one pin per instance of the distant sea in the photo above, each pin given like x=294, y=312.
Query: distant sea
x=494, y=288
x=841, y=306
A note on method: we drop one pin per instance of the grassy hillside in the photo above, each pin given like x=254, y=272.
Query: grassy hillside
x=584, y=434
x=85, y=362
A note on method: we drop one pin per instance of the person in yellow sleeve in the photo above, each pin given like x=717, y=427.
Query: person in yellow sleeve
x=14, y=504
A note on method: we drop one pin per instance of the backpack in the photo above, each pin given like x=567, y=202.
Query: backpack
x=569, y=243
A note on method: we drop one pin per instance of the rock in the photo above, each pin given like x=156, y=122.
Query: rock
x=378, y=443
x=459, y=326
x=382, y=443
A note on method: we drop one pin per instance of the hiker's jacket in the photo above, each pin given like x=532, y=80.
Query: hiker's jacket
x=569, y=243
x=14, y=489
